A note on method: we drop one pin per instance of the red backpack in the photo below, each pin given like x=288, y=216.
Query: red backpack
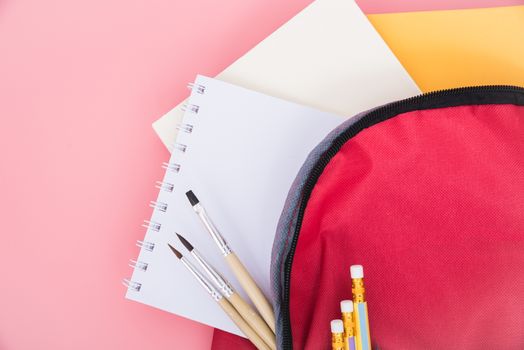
x=427, y=194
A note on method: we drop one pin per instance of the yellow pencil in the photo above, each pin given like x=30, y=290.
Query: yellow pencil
x=348, y=318
x=337, y=335
x=362, y=336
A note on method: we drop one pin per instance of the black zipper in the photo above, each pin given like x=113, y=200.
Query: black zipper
x=475, y=95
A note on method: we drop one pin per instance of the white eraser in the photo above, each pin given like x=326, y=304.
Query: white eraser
x=346, y=306
x=356, y=271
x=337, y=326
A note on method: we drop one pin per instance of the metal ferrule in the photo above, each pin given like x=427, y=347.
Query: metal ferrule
x=337, y=341
x=220, y=282
x=202, y=280
x=213, y=231
x=358, y=290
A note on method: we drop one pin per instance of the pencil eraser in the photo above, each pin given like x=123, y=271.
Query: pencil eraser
x=346, y=306
x=337, y=326
x=356, y=271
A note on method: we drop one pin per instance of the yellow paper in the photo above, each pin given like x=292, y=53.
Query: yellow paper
x=445, y=49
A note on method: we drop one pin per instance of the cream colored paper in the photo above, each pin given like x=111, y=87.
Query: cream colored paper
x=328, y=57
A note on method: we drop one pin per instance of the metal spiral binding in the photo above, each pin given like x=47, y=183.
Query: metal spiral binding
x=165, y=186
x=171, y=166
x=197, y=87
x=160, y=206
x=149, y=246
x=187, y=128
x=187, y=107
x=151, y=225
x=135, y=264
x=177, y=146
x=132, y=285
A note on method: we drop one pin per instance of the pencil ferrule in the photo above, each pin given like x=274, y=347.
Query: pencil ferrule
x=337, y=341
x=213, y=231
x=358, y=291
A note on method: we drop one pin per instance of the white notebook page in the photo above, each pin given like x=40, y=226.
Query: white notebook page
x=242, y=156
x=328, y=57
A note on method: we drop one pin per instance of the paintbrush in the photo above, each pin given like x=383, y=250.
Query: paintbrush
x=243, y=308
x=243, y=276
x=224, y=304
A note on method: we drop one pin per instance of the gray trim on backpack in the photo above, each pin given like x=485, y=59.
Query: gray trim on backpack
x=288, y=220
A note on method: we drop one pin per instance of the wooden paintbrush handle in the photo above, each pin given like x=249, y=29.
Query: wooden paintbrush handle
x=253, y=319
x=242, y=325
x=252, y=290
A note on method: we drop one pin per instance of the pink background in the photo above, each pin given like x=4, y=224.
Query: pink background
x=80, y=84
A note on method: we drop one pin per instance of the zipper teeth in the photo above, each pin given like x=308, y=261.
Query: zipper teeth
x=373, y=117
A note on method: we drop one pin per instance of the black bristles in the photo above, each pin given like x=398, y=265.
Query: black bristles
x=192, y=198
x=177, y=253
x=185, y=242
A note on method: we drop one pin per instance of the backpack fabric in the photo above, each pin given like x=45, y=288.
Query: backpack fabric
x=428, y=195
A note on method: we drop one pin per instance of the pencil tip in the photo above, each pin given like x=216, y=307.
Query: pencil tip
x=185, y=242
x=192, y=198
x=177, y=253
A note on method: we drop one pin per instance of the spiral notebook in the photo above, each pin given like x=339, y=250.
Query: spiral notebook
x=328, y=56
x=241, y=175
